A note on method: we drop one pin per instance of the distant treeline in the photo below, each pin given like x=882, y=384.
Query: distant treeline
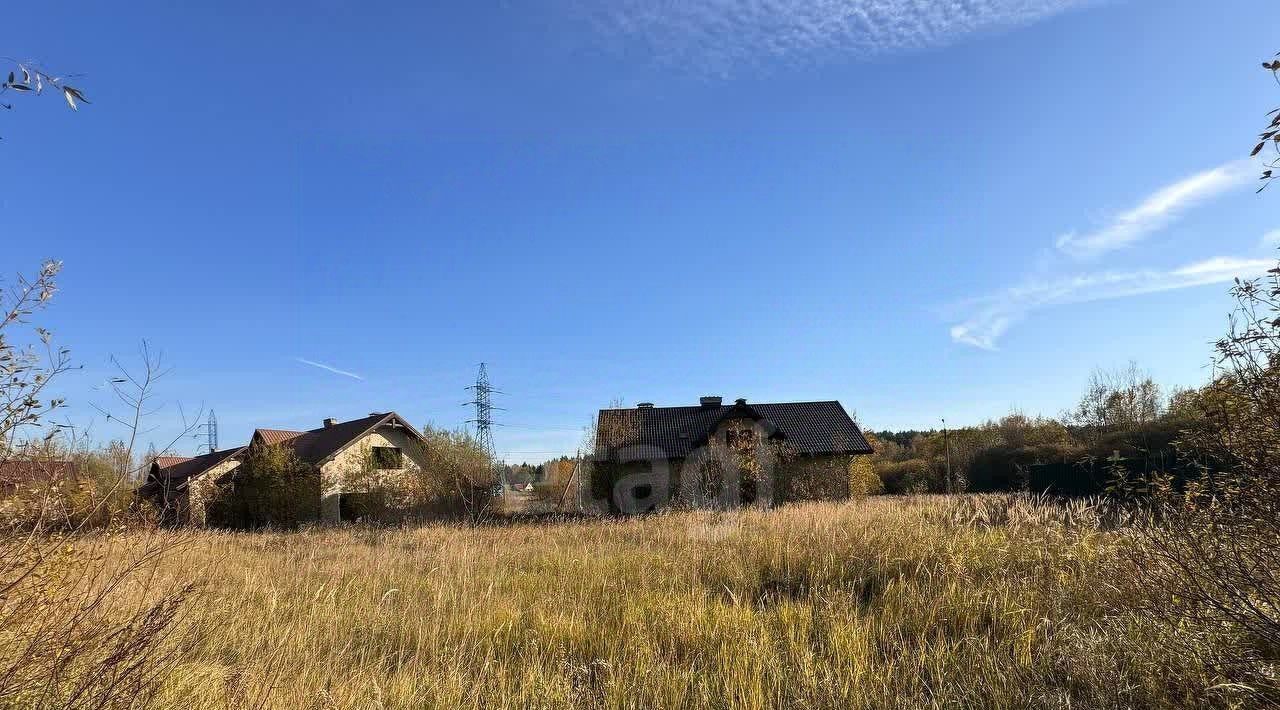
x=1123, y=424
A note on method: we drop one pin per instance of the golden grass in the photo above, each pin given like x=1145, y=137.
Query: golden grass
x=887, y=602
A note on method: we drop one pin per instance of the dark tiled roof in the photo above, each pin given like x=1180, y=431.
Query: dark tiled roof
x=170, y=472
x=317, y=445
x=808, y=427
x=313, y=447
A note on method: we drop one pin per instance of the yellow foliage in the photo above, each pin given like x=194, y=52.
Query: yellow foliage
x=979, y=601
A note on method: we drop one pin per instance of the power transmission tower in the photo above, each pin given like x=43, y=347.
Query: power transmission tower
x=482, y=391
x=209, y=432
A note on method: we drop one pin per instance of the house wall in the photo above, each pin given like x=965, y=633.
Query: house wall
x=347, y=471
x=200, y=490
x=710, y=477
x=706, y=479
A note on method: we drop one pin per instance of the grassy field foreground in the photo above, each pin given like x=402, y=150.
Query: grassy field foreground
x=979, y=601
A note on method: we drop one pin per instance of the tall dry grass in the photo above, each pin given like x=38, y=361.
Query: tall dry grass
x=979, y=601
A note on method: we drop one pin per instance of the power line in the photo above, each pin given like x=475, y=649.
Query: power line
x=536, y=427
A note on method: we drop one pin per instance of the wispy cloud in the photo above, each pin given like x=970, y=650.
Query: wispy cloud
x=1156, y=211
x=993, y=315
x=1271, y=239
x=721, y=36
x=329, y=368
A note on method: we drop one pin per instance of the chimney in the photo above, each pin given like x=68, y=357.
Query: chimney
x=330, y=422
x=644, y=405
x=740, y=400
x=710, y=401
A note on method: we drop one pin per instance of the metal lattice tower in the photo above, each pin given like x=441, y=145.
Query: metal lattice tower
x=483, y=403
x=209, y=432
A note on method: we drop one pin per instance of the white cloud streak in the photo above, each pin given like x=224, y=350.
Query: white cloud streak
x=993, y=315
x=718, y=37
x=1157, y=211
x=329, y=368
x=1271, y=239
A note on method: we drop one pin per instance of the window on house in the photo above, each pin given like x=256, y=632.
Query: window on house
x=387, y=457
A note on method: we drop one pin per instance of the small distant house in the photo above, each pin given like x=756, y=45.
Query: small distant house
x=182, y=486
x=19, y=473
x=384, y=442
x=719, y=455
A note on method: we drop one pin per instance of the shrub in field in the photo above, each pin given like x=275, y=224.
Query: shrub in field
x=57, y=487
x=456, y=480
x=271, y=488
x=912, y=476
x=1210, y=567
x=82, y=625
x=75, y=631
x=863, y=479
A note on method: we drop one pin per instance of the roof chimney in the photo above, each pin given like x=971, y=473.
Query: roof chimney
x=330, y=422
x=740, y=400
x=644, y=405
x=710, y=401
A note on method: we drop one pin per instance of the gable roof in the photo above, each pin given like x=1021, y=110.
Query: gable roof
x=317, y=446
x=809, y=428
x=314, y=447
x=172, y=472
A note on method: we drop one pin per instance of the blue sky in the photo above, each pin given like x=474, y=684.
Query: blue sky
x=920, y=209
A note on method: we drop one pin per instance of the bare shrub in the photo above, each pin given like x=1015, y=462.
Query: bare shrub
x=1210, y=569
x=67, y=639
x=457, y=479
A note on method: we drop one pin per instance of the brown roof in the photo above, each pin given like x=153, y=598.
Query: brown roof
x=319, y=445
x=167, y=461
x=314, y=447
x=809, y=428
x=15, y=472
x=170, y=476
x=271, y=437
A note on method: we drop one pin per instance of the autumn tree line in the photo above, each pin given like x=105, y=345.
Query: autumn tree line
x=1124, y=424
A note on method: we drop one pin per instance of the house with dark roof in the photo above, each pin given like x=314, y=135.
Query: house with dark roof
x=182, y=486
x=381, y=444
x=719, y=455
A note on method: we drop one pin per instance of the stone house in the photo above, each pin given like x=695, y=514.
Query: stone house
x=346, y=456
x=717, y=455
x=181, y=486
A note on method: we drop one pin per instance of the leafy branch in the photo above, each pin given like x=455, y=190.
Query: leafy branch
x=1272, y=133
x=27, y=78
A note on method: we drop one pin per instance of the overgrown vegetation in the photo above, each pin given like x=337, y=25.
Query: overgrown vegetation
x=1123, y=422
x=271, y=488
x=80, y=625
x=987, y=601
x=1211, y=568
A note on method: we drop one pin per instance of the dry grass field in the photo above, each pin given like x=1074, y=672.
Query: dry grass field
x=977, y=601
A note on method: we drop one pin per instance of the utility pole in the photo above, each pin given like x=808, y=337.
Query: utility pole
x=946, y=447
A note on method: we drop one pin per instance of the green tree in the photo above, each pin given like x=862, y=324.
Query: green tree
x=271, y=488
